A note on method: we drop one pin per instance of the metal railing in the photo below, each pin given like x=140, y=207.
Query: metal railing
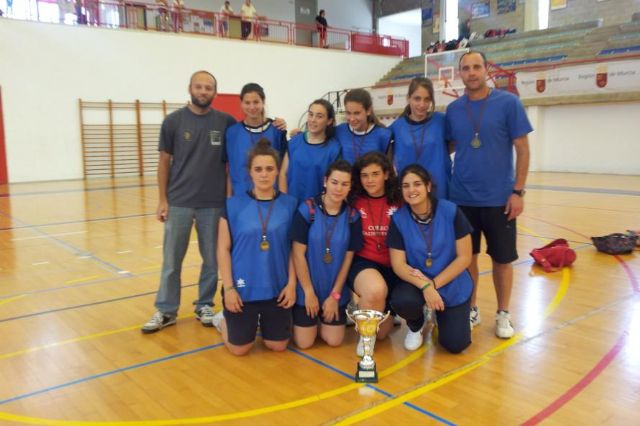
x=153, y=17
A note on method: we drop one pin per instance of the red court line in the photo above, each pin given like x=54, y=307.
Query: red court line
x=595, y=371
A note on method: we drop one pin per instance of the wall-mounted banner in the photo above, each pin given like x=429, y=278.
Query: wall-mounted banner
x=588, y=79
x=506, y=6
x=480, y=9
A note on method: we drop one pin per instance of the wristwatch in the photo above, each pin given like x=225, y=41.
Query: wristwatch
x=335, y=295
x=519, y=192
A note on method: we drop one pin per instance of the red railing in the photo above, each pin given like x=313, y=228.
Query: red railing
x=153, y=17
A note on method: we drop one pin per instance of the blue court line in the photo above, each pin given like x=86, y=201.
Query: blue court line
x=377, y=389
x=64, y=191
x=68, y=246
x=71, y=222
x=108, y=373
x=100, y=302
x=585, y=190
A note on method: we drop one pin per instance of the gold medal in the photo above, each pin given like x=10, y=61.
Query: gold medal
x=475, y=142
x=327, y=258
x=428, y=263
x=264, y=244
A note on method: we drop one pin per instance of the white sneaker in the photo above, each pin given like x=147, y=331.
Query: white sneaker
x=474, y=317
x=157, y=322
x=360, y=346
x=413, y=340
x=216, y=321
x=205, y=315
x=504, y=328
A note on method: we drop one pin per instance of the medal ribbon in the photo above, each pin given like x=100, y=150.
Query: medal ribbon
x=328, y=231
x=357, y=147
x=419, y=148
x=265, y=222
x=428, y=241
x=476, y=124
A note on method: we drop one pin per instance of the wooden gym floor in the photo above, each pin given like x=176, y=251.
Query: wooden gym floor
x=79, y=267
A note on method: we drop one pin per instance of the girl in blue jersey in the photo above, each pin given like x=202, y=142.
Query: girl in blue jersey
x=325, y=234
x=419, y=136
x=310, y=153
x=430, y=246
x=242, y=136
x=362, y=132
x=259, y=283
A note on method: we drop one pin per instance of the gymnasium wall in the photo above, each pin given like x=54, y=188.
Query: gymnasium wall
x=46, y=68
x=586, y=138
x=611, y=11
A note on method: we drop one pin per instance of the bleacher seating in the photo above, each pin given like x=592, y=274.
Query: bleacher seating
x=585, y=40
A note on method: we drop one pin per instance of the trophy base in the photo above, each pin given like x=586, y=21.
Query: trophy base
x=366, y=375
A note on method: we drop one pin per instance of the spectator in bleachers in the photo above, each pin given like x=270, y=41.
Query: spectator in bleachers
x=176, y=15
x=225, y=11
x=163, y=15
x=91, y=9
x=321, y=25
x=248, y=15
x=464, y=29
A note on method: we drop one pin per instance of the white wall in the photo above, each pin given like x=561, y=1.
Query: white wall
x=47, y=67
x=406, y=24
x=354, y=15
x=596, y=138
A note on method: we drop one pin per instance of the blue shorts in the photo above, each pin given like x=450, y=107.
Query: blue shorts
x=301, y=319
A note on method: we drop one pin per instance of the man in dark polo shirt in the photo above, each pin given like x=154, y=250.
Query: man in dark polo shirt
x=191, y=183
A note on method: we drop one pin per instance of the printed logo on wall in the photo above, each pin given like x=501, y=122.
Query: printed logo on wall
x=601, y=76
x=541, y=82
x=390, y=97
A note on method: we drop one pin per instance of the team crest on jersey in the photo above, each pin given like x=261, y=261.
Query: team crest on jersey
x=215, y=137
x=240, y=283
x=187, y=135
x=391, y=210
x=363, y=213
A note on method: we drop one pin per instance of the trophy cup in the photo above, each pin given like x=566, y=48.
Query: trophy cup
x=367, y=324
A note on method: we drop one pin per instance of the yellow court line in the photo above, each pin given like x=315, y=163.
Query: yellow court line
x=76, y=340
x=11, y=299
x=483, y=359
x=312, y=399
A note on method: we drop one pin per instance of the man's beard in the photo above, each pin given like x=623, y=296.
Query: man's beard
x=205, y=104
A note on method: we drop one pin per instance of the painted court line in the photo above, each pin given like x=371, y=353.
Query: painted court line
x=52, y=235
x=108, y=373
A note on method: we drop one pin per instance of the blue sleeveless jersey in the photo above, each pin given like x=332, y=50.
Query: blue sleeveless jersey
x=430, y=152
x=240, y=138
x=257, y=274
x=323, y=275
x=443, y=248
x=308, y=164
x=355, y=146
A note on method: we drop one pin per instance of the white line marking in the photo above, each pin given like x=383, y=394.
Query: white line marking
x=48, y=235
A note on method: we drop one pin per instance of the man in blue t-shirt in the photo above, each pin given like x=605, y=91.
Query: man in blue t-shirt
x=192, y=184
x=484, y=126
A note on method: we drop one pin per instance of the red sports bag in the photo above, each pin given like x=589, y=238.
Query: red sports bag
x=554, y=255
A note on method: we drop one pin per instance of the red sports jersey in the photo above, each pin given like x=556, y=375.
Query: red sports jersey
x=375, y=214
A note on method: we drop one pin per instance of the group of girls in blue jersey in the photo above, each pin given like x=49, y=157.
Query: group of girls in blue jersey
x=299, y=235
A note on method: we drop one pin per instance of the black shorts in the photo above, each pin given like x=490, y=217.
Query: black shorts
x=499, y=232
x=275, y=322
x=301, y=319
x=359, y=264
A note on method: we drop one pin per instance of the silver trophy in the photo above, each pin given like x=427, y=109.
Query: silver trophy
x=367, y=324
